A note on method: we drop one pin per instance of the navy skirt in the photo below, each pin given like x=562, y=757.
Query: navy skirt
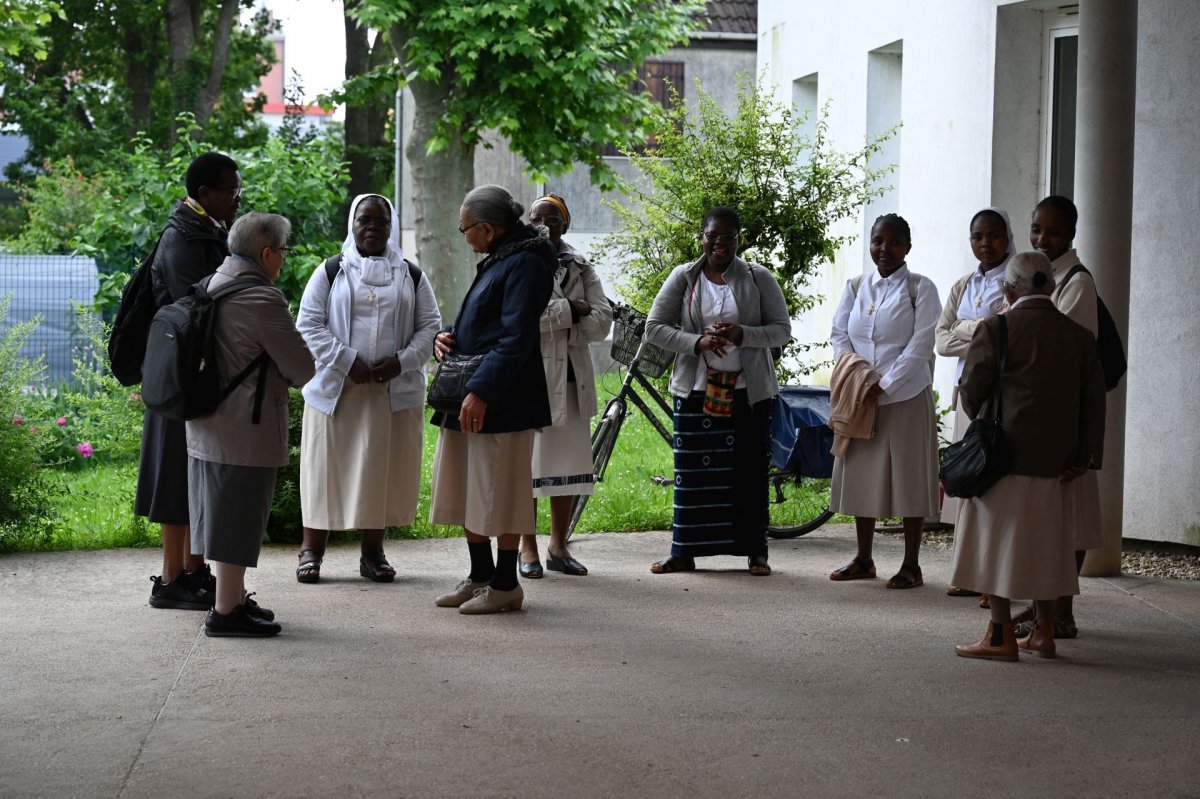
x=720, y=478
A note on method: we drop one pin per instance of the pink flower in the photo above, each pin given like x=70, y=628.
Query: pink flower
x=18, y=419
x=134, y=396
x=84, y=448
x=33, y=430
x=61, y=421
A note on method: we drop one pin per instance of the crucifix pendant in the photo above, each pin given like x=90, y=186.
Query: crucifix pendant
x=979, y=302
x=371, y=296
x=871, y=310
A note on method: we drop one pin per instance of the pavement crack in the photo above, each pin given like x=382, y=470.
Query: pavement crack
x=1129, y=593
x=166, y=700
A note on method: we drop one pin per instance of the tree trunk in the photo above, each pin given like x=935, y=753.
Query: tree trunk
x=366, y=120
x=439, y=183
x=140, y=74
x=216, y=71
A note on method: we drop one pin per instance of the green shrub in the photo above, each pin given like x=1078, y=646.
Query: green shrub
x=26, y=491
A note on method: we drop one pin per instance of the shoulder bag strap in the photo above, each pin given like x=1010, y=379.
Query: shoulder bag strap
x=1003, y=363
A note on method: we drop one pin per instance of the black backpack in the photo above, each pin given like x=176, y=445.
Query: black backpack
x=127, y=339
x=333, y=265
x=1108, y=338
x=180, y=378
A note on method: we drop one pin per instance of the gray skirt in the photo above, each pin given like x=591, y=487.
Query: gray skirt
x=229, y=508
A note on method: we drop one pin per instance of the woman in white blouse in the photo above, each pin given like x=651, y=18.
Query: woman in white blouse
x=369, y=317
x=886, y=318
x=974, y=297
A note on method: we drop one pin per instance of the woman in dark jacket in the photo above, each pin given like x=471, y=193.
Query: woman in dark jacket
x=482, y=472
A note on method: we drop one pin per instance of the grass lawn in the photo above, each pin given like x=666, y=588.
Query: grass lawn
x=95, y=511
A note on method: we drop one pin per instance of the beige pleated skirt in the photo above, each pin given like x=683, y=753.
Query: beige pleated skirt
x=484, y=482
x=562, y=456
x=894, y=473
x=1083, y=510
x=1016, y=541
x=360, y=469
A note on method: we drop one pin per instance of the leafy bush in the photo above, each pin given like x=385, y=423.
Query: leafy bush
x=788, y=189
x=26, y=491
x=116, y=214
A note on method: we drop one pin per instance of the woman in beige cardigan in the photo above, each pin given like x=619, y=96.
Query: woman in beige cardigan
x=233, y=458
x=974, y=297
x=577, y=315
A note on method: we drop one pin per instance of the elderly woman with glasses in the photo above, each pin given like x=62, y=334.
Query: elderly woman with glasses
x=482, y=471
x=722, y=315
x=369, y=316
x=234, y=454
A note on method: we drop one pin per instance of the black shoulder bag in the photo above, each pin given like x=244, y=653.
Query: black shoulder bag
x=972, y=466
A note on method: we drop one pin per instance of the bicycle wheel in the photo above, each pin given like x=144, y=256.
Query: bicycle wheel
x=798, y=505
x=604, y=439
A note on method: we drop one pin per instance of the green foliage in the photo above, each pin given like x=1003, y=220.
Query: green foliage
x=26, y=491
x=101, y=74
x=21, y=25
x=788, y=188
x=552, y=77
x=115, y=214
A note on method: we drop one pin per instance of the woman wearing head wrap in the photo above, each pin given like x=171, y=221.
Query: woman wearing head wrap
x=577, y=315
x=369, y=318
x=483, y=468
x=973, y=297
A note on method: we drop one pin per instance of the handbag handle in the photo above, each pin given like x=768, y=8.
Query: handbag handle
x=1003, y=363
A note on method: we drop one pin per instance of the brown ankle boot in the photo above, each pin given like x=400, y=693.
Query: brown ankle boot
x=983, y=647
x=1040, y=640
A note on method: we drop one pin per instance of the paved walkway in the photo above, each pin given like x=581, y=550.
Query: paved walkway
x=617, y=684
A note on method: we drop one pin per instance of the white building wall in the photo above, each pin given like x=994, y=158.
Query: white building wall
x=1162, y=450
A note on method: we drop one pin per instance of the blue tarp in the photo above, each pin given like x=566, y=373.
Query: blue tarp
x=800, y=436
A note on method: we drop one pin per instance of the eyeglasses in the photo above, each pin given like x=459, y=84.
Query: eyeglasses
x=724, y=238
x=377, y=222
x=463, y=230
x=284, y=250
x=545, y=220
x=235, y=192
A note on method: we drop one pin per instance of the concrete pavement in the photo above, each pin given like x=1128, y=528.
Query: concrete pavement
x=621, y=683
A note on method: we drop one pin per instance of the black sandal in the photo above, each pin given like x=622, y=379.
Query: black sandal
x=906, y=577
x=374, y=567
x=856, y=569
x=309, y=572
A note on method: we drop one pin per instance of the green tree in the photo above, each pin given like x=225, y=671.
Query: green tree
x=788, y=188
x=551, y=77
x=108, y=70
x=21, y=22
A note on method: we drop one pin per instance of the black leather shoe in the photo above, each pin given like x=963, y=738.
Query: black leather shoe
x=238, y=624
x=565, y=565
x=258, y=611
x=531, y=571
x=179, y=594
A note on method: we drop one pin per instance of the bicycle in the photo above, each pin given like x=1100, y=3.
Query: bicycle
x=797, y=507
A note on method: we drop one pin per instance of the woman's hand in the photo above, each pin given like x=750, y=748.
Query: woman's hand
x=729, y=332
x=712, y=343
x=1072, y=472
x=443, y=345
x=359, y=371
x=471, y=413
x=582, y=308
x=386, y=369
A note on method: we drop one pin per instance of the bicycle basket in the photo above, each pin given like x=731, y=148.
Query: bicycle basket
x=628, y=327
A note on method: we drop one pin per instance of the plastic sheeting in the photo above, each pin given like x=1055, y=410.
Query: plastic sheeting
x=800, y=436
x=52, y=286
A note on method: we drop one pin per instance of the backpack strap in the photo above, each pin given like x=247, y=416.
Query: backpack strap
x=1072, y=272
x=333, y=265
x=261, y=362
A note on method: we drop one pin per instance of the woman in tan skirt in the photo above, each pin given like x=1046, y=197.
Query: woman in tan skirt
x=974, y=297
x=369, y=318
x=482, y=471
x=887, y=319
x=1017, y=540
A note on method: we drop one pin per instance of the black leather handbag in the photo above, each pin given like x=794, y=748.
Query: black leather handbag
x=971, y=466
x=449, y=385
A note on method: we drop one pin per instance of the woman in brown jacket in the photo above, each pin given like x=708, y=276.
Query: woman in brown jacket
x=1017, y=540
x=233, y=459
